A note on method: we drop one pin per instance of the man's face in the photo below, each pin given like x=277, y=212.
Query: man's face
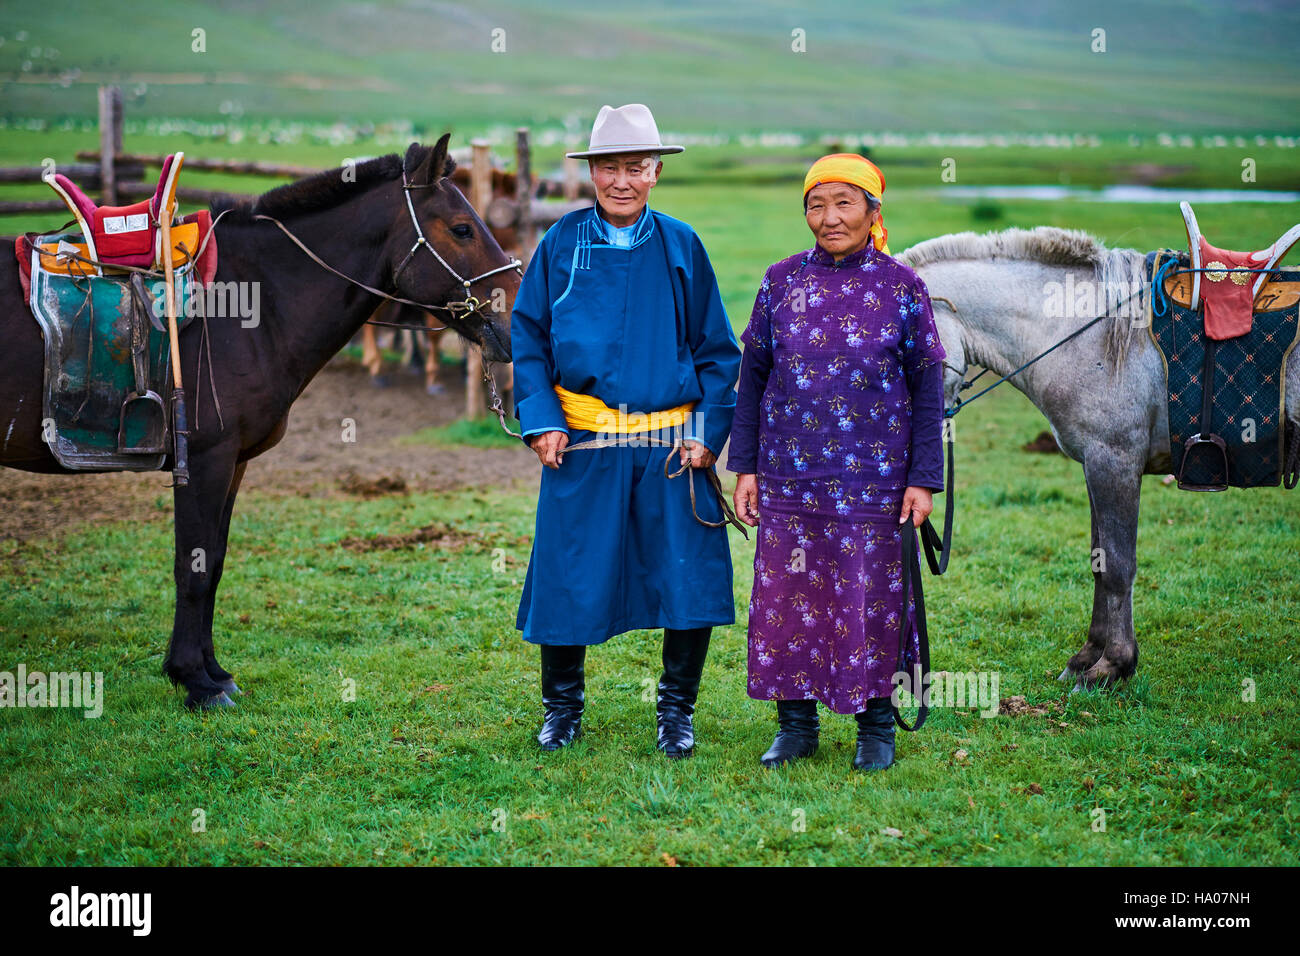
x=839, y=217
x=623, y=182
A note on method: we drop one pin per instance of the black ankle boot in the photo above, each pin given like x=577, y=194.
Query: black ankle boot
x=684, y=653
x=562, y=694
x=875, y=735
x=798, y=735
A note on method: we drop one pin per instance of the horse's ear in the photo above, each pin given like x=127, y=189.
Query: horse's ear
x=435, y=164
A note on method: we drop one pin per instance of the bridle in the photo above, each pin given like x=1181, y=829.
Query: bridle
x=470, y=304
x=463, y=308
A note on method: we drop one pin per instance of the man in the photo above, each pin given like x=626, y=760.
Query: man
x=619, y=330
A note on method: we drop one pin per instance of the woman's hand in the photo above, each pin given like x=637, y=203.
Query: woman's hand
x=917, y=502
x=745, y=499
x=549, y=447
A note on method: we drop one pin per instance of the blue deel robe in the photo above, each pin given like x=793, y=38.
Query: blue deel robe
x=639, y=323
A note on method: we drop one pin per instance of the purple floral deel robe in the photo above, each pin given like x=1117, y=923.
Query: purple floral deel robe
x=837, y=345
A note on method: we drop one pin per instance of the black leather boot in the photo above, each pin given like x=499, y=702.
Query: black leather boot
x=684, y=653
x=875, y=735
x=562, y=694
x=798, y=735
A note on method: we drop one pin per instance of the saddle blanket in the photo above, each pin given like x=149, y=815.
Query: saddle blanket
x=104, y=344
x=1247, y=384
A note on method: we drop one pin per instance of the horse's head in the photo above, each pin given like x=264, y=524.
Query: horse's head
x=954, y=364
x=461, y=265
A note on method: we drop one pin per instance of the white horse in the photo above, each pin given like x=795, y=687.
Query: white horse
x=1000, y=299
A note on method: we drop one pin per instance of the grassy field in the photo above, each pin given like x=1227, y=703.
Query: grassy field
x=434, y=761
x=1017, y=65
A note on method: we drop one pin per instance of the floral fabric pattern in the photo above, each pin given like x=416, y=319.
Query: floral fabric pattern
x=834, y=441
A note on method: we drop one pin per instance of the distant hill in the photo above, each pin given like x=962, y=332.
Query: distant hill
x=1015, y=66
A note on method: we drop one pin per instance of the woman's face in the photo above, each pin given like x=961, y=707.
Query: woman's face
x=840, y=218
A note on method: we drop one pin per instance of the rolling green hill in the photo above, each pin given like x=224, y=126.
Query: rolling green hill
x=1021, y=65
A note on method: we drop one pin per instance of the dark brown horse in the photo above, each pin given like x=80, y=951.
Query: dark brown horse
x=359, y=223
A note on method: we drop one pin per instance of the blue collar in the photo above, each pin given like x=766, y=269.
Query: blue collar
x=625, y=237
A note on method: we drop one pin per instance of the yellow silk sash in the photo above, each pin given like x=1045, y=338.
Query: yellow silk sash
x=591, y=414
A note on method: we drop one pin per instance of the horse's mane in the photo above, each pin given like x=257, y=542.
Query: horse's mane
x=323, y=190
x=1117, y=271
x=1046, y=244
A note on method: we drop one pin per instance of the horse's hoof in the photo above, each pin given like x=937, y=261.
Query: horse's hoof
x=217, y=702
x=379, y=381
x=434, y=389
x=231, y=688
x=1066, y=675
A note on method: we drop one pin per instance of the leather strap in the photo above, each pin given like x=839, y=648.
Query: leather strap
x=1207, y=385
x=728, y=514
x=911, y=575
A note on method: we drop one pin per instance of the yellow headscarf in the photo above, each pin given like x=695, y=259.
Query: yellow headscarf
x=856, y=171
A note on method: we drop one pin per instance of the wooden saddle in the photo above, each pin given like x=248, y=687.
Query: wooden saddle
x=121, y=236
x=1228, y=289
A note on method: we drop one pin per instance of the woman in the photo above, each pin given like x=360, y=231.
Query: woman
x=837, y=443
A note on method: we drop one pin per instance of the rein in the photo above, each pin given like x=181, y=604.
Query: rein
x=950, y=412
x=469, y=305
x=937, y=552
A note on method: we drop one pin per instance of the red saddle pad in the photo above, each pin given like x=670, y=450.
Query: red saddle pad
x=1229, y=296
x=123, y=233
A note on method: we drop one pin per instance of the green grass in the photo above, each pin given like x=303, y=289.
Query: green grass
x=437, y=747
x=947, y=65
x=478, y=432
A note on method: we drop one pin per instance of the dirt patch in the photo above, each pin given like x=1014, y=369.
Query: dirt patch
x=319, y=455
x=439, y=535
x=1044, y=443
x=354, y=484
x=1018, y=707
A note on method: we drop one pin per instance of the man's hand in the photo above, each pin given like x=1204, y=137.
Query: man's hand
x=549, y=447
x=745, y=499
x=917, y=502
x=698, y=455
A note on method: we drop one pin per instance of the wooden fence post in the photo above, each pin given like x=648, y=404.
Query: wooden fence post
x=571, y=181
x=480, y=197
x=110, y=141
x=524, y=194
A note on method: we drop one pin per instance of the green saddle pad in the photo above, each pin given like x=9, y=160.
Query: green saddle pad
x=1248, y=409
x=92, y=326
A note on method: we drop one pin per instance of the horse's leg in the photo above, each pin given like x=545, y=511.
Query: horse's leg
x=214, y=670
x=370, y=357
x=1096, y=643
x=199, y=539
x=1114, y=489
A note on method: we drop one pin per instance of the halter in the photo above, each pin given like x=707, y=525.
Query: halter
x=470, y=304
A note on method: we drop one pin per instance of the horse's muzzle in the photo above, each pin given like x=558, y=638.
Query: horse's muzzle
x=495, y=339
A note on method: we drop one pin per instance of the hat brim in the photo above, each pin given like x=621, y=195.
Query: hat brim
x=633, y=148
